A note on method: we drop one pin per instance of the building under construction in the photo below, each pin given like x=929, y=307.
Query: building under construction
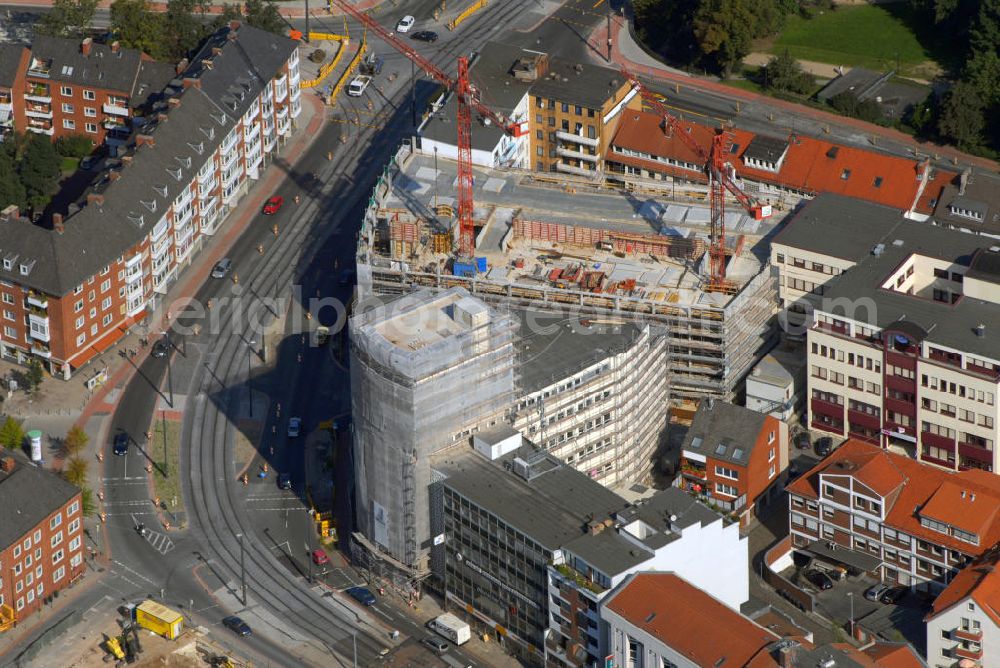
x=548, y=246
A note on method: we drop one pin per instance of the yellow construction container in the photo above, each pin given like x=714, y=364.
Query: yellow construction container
x=159, y=619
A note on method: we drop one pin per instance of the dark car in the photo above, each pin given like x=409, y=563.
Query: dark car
x=161, y=348
x=121, y=444
x=802, y=441
x=284, y=481
x=237, y=626
x=425, y=36
x=894, y=595
x=435, y=644
x=361, y=595
x=820, y=579
x=824, y=446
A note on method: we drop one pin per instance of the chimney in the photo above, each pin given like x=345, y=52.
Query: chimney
x=216, y=51
x=95, y=198
x=963, y=180
x=160, y=117
x=174, y=102
x=233, y=27
x=206, y=63
x=115, y=46
x=191, y=81
x=146, y=139
x=114, y=175
x=786, y=656
x=9, y=213
x=7, y=464
x=86, y=45
x=126, y=160
x=57, y=223
x=181, y=66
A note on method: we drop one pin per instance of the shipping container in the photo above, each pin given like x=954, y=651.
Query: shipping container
x=159, y=619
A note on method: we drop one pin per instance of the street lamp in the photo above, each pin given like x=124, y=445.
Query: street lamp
x=243, y=571
x=354, y=638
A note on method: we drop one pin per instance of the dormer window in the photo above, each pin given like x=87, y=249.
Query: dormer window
x=965, y=213
x=174, y=172
x=135, y=218
x=8, y=264
x=161, y=189
x=151, y=205
x=26, y=267
x=199, y=148
x=185, y=161
x=845, y=174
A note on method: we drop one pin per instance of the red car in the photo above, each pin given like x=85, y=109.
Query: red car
x=273, y=205
x=320, y=558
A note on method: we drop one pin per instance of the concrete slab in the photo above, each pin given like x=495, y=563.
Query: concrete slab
x=494, y=185
x=427, y=174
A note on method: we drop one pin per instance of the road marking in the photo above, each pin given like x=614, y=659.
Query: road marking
x=375, y=609
x=160, y=541
x=281, y=509
x=116, y=478
x=134, y=502
x=598, y=4
x=132, y=514
x=346, y=576
x=94, y=607
x=133, y=571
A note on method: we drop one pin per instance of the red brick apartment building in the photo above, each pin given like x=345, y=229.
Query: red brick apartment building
x=41, y=537
x=14, y=60
x=66, y=87
x=71, y=289
x=909, y=523
x=734, y=456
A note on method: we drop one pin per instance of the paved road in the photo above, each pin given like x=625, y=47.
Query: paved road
x=210, y=381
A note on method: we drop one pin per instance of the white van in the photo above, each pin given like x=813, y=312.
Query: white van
x=451, y=627
x=358, y=85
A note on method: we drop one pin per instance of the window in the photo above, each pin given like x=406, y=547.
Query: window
x=68, y=108
x=66, y=91
x=54, y=522
x=565, y=108
x=74, y=544
x=90, y=127
x=69, y=124
x=89, y=112
x=726, y=490
x=89, y=95
x=726, y=472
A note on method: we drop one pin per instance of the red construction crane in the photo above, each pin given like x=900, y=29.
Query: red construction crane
x=468, y=100
x=719, y=179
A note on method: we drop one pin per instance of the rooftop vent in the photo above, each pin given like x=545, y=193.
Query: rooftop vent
x=897, y=242
x=980, y=330
x=878, y=249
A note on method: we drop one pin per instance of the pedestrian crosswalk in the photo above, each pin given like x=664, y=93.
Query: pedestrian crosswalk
x=160, y=541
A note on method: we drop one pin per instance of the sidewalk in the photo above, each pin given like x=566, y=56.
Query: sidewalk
x=292, y=9
x=625, y=52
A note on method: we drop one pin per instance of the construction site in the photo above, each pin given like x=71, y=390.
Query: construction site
x=554, y=247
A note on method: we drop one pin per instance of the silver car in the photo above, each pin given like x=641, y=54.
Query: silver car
x=222, y=267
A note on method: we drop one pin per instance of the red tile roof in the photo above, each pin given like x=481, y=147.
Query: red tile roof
x=688, y=620
x=922, y=484
x=979, y=580
x=894, y=655
x=811, y=165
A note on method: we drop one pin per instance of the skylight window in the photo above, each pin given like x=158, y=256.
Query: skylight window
x=720, y=449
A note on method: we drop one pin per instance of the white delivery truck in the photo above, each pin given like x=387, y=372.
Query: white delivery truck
x=452, y=628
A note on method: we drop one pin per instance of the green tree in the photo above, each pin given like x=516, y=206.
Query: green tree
x=849, y=105
x=181, y=28
x=963, y=117
x=87, y=505
x=75, y=441
x=74, y=146
x=264, y=14
x=783, y=72
x=724, y=32
x=11, y=189
x=139, y=28
x=67, y=18
x=75, y=471
x=11, y=434
x=39, y=170
x=35, y=376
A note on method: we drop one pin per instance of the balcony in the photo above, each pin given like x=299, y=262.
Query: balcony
x=576, y=139
x=975, y=452
x=40, y=129
x=37, y=300
x=115, y=109
x=690, y=470
x=577, y=578
x=579, y=155
x=973, y=635
x=570, y=169
x=963, y=653
x=40, y=351
x=38, y=112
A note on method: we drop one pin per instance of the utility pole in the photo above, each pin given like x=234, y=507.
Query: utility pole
x=354, y=637
x=170, y=374
x=609, y=32
x=306, y=35
x=250, y=345
x=413, y=91
x=163, y=426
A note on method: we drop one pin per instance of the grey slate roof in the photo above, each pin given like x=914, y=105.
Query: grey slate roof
x=153, y=78
x=839, y=226
x=724, y=431
x=101, y=69
x=587, y=85
x=28, y=495
x=981, y=194
x=97, y=235
x=10, y=58
x=766, y=149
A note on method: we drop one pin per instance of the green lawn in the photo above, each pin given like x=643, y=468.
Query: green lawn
x=745, y=84
x=69, y=164
x=876, y=37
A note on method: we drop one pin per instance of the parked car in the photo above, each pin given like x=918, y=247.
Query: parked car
x=361, y=595
x=284, y=481
x=425, y=36
x=121, y=444
x=875, y=592
x=320, y=558
x=294, y=427
x=90, y=162
x=824, y=446
x=436, y=644
x=273, y=205
x=405, y=23
x=222, y=267
x=820, y=579
x=161, y=348
x=358, y=85
x=894, y=595
x=803, y=441
x=237, y=626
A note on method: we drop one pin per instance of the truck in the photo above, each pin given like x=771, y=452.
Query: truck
x=451, y=627
x=358, y=85
x=159, y=619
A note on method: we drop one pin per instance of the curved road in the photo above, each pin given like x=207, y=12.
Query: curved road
x=203, y=567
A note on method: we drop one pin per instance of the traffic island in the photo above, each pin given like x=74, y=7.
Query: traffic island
x=165, y=451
